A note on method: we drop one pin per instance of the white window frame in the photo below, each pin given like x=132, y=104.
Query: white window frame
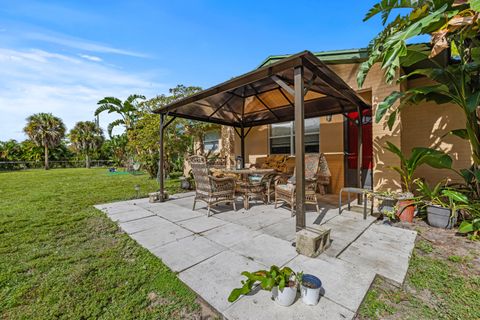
x=215, y=142
x=292, y=137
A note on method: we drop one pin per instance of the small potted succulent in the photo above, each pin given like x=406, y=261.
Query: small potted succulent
x=281, y=282
x=309, y=288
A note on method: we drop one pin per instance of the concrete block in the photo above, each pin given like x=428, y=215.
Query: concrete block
x=214, y=278
x=266, y=249
x=187, y=252
x=313, y=241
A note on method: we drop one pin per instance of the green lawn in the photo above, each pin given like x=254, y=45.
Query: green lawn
x=61, y=258
x=443, y=282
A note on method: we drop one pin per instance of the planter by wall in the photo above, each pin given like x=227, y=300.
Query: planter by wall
x=310, y=289
x=285, y=297
x=406, y=210
x=440, y=217
x=387, y=205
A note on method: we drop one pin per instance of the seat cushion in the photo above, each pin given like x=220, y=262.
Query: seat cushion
x=285, y=187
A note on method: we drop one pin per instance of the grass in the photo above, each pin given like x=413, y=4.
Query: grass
x=61, y=258
x=435, y=288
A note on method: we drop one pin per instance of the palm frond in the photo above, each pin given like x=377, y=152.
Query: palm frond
x=113, y=124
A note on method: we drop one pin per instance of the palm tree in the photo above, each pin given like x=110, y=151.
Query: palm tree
x=127, y=110
x=45, y=130
x=86, y=138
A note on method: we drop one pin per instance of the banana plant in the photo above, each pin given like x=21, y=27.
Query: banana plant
x=452, y=25
x=408, y=165
x=268, y=279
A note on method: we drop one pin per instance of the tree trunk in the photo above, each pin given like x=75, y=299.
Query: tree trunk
x=87, y=161
x=46, y=158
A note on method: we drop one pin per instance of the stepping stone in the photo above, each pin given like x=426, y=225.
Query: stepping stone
x=202, y=224
x=187, y=252
x=230, y=234
x=267, y=250
x=115, y=208
x=137, y=213
x=372, y=251
x=284, y=229
x=264, y=219
x=160, y=235
x=342, y=282
x=259, y=305
x=214, y=278
x=325, y=215
x=142, y=224
x=173, y=212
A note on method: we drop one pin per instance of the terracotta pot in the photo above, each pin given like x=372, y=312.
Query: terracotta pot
x=406, y=210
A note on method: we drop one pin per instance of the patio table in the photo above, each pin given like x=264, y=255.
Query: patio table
x=247, y=188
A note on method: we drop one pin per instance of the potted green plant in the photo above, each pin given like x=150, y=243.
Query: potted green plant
x=281, y=282
x=442, y=204
x=471, y=227
x=406, y=170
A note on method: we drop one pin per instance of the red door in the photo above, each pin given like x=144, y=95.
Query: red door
x=367, y=147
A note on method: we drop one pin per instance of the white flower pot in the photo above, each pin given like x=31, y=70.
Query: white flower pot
x=285, y=297
x=310, y=294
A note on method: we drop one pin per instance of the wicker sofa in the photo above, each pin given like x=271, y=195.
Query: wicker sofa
x=285, y=165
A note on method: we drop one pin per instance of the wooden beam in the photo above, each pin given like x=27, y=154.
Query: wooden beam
x=299, y=148
x=282, y=84
x=263, y=103
x=169, y=121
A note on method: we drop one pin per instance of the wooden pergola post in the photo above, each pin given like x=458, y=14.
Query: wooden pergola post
x=160, y=172
x=360, y=153
x=299, y=147
x=242, y=145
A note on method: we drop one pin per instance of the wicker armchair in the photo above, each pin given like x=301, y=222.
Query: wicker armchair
x=285, y=188
x=209, y=189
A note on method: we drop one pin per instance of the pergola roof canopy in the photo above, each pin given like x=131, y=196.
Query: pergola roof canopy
x=266, y=95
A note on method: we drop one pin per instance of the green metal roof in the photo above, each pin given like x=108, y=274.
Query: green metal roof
x=328, y=57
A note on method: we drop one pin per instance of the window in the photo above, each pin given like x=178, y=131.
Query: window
x=210, y=140
x=282, y=137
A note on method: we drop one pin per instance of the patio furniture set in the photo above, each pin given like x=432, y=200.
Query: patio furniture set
x=273, y=175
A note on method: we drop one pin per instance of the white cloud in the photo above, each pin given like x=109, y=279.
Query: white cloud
x=81, y=44
x=69, y=87
x=91, y=58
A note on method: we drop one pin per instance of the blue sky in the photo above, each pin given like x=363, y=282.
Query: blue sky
x=63, y=56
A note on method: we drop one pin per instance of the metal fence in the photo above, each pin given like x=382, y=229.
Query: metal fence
x=22, y=165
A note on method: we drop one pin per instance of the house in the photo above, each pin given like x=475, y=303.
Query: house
x=336, y=136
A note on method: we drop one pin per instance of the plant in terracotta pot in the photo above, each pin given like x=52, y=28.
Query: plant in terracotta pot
x=406, y=170
x=281, y=282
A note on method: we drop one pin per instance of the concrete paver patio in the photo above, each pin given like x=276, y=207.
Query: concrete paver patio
x=209, y=253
